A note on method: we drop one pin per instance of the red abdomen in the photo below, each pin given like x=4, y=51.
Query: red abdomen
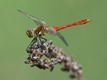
x=84, y=21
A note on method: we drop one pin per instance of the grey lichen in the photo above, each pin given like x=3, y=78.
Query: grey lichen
x=53, y=56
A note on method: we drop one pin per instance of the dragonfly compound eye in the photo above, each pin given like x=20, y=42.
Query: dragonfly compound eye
x=30, y=33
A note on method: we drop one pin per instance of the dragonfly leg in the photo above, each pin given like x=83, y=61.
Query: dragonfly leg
x=28, y=49
x=42, y=40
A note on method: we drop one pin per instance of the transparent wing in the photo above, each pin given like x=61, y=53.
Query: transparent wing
x=62, y=38
x=36, y=20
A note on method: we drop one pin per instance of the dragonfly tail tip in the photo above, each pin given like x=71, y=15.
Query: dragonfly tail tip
x=88, y=20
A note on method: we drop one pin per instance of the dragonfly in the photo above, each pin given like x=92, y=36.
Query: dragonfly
x=43, y=29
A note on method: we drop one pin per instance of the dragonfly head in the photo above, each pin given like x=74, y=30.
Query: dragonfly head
x=30, y=33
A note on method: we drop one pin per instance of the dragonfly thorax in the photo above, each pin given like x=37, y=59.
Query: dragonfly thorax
x=40, y=31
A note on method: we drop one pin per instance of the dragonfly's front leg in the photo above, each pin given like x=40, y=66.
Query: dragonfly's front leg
x=28, y=49
x=42, y=40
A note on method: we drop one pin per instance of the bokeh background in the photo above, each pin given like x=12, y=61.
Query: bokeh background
x=87, y=43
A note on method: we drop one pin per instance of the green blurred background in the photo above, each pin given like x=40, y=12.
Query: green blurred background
x=87, y=43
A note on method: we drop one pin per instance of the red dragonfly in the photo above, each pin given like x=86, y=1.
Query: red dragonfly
x=42, y=28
